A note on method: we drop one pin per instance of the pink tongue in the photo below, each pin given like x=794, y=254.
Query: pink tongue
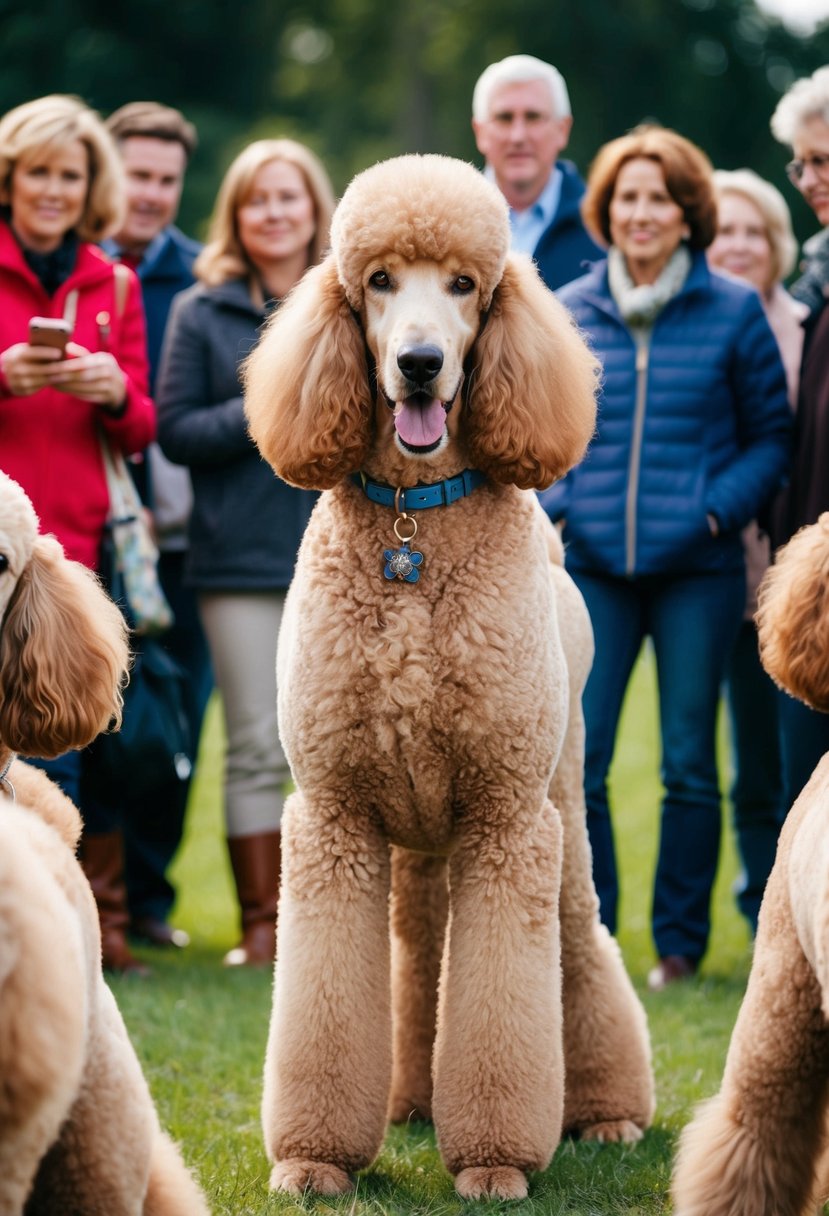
x=420, y=425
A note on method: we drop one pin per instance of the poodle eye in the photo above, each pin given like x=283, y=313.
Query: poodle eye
x=463, y=284
x=380, y=280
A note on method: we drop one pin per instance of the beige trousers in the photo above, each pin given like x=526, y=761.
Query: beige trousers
x=241, y=630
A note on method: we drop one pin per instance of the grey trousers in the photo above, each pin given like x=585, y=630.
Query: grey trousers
x=241, y=630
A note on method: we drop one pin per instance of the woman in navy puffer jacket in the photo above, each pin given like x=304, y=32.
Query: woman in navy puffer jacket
x=692, y=439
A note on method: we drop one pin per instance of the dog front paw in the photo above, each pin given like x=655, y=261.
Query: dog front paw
x=491, y=1182
x=614, y=1131
x=297, y=1176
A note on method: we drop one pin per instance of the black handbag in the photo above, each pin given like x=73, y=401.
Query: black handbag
x=153, y=746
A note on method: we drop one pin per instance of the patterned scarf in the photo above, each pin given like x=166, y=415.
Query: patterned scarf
x=640, y=306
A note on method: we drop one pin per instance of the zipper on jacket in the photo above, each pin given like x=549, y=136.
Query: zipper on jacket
x=635, y=463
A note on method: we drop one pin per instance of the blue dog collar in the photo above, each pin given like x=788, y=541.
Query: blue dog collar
x=418, y=498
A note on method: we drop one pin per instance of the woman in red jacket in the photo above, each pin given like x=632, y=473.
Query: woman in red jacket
x=60, y=190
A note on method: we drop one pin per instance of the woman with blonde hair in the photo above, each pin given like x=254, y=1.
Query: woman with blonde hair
x=61, y=189
x=270, y=224
x=692, y=438
x=755, y=242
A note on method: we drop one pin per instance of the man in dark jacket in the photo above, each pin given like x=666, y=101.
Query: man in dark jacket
x=156, y=143
x=522, y=121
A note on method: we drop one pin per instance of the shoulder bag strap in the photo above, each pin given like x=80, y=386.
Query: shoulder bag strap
x=124, y=502
x=70, y=308
x=122, y=286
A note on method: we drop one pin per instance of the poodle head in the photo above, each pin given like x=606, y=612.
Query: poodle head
x=793, y=616
x=421, y=346
x=63, y=643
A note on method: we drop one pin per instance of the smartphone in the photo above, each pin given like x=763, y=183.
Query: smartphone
x=49, y=331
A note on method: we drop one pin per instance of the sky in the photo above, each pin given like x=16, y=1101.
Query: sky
x=800, y=15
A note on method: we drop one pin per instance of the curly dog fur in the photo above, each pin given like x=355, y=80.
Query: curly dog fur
x=78, y=1130
x=434, y=728
x=759, y=1147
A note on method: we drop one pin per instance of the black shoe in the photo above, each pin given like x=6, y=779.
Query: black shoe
x=670, y=969
x=158, y=933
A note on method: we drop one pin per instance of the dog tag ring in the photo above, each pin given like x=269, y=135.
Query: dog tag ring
x=403, y=563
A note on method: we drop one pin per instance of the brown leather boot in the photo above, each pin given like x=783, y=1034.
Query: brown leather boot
x=102, y=859
x=256, y=862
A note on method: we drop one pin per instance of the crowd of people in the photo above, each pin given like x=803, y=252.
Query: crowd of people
x=708, y=453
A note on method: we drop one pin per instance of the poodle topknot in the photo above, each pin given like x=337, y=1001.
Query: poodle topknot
x=459, y=214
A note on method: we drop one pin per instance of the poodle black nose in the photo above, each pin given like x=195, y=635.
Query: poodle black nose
x=420, y=363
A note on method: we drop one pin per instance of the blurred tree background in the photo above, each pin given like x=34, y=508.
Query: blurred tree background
x=362, y=79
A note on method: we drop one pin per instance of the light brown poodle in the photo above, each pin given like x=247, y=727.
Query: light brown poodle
x=429, y=702
x=758, y=1148
x=79, y=1135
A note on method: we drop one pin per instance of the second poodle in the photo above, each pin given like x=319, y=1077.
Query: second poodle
x=758, y=1148
x=79, y=1133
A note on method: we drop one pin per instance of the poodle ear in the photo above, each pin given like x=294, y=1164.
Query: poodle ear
x=532, y=408
x=793, y=616
x=63, y=657
x=307, y=395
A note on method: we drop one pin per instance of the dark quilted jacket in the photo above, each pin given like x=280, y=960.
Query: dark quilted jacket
x=710, y=435
x=565, y=249
x=246, y=524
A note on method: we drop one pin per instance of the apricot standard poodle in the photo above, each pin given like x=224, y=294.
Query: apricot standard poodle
x=79, y=1135
x=430, y=669
x=759, y=1148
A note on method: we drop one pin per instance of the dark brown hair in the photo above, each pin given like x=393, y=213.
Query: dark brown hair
x=153, y=121
x=688, y=177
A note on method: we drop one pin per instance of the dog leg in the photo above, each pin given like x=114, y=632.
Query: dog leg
x=43, y=1011
x=419, y=907
x=608, y=1089
x=498, y=1055
x=328, y=1065
x=754, y=1148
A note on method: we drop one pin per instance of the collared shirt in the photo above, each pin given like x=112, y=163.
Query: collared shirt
x=528, y=226
x=149, y=255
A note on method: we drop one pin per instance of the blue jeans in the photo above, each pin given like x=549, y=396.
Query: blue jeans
x=153, y=828
x=68, y=771
x=65, y=771
x=693, y=620
x=757, y=792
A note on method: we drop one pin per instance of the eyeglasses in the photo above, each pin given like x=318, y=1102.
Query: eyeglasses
x=796, y=168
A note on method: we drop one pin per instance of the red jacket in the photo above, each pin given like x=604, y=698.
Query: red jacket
x=48, y=441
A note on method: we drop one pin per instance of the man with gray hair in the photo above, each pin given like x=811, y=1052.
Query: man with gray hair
x=522, y=121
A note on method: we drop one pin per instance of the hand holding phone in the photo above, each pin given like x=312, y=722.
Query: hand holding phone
x=28, y=366
x=50, y=331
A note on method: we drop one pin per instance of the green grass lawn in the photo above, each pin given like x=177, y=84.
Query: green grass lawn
x=200, y=1030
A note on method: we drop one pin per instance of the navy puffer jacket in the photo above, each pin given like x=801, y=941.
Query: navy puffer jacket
x=694, y=423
